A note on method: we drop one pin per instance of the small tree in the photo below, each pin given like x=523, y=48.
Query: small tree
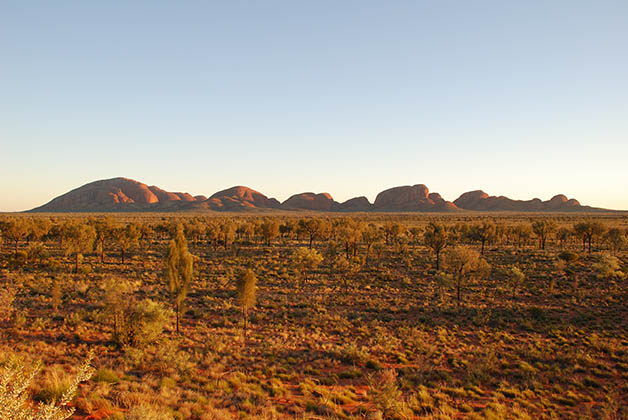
x=127, y=237
x=270, y=230
x=349, y=232
x=347, y=268
x=39, y=228
x=482, y=232
x=287, y=229
x=616, y=239
x=146, y=233
x=391, y=232
x=370, y=235
x=312, y=227
x=104, y=230
x=117, y=298
x=212, y=233
x=78, y=238
x=246, y=285
x=542, y=229
x=245, y=231
x=436, y=239
x=523, y=232
x=515, y=280
x=306, y=259
x=37, y=250
x=180, y=267
x=227, y=232
x=17, y=229
x=588, y=231
x=194, y=229
x=464, y=263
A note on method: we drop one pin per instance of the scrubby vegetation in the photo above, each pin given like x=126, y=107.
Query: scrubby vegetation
x=406, y=316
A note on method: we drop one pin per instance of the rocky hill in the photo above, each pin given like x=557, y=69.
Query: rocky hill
x=310, y=201
x=411, y=198
x=240, y=198
x=360, y=204
x=123, y=195
x=481, y=201
x=116, y=194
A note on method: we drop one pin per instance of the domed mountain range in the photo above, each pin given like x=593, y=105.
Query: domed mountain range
x=127, y=195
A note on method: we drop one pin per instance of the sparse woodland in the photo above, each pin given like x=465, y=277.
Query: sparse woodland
x=293, y=316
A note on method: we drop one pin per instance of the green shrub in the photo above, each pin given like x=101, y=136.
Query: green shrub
x=143, y=323
x=21, y=258
x=386, y=395
x=105, y=375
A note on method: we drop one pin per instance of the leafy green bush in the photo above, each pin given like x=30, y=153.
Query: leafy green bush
x=105, y=375
x=143, y=323
x=386, y=395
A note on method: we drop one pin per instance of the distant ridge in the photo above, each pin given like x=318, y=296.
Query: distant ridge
x=481, y=201
x=128, y=195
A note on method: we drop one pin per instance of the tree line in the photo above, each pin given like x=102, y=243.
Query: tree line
x=78, y=236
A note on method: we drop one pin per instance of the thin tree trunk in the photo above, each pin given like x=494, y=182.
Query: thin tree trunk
x=246, y=323
x=177, y=315
x=458, y=292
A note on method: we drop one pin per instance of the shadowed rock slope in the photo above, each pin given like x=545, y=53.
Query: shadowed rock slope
x=481, y=201
x=123, y=194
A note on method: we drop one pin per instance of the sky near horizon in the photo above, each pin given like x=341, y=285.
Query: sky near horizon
x=524, y=99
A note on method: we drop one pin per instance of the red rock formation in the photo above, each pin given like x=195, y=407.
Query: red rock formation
x=310, y=201
x=480, y=201
x=123, y=194
x=116, y=194
x=240, y=198
x=354, y=204
x=411, y=198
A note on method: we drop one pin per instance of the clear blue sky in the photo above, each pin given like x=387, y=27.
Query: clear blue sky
x=516, y=98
